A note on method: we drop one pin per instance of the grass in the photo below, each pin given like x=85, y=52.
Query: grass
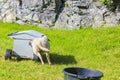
x=97, y=49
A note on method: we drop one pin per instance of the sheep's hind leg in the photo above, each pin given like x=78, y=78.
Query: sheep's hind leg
x=40, y=57
x=48, y=58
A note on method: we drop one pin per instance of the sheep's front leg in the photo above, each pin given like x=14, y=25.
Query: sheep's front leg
x=48, y=58
x=40, y=57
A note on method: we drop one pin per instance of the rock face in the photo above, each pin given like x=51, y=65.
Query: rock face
x=60, y=14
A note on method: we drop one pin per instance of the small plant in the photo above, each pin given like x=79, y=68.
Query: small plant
x=66, y=4
x=111, y=4
x=106, y=2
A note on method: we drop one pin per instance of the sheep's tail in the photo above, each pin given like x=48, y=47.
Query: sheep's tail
x=44, y=49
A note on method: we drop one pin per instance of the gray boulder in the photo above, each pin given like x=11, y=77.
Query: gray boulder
x=60, y=14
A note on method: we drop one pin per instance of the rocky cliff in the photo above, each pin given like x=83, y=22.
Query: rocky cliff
x=61, y=14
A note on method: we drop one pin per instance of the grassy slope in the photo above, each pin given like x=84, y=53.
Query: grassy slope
x=97, y=49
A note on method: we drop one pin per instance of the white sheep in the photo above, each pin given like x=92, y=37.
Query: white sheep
x=41, y=45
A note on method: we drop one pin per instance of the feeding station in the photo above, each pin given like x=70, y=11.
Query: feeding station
x=21, y=46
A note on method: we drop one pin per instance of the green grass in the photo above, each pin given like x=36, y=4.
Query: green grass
x=97, y=49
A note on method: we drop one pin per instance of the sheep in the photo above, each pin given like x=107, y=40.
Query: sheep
x=41, y=45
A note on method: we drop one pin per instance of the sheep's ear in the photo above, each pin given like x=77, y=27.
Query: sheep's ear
x=42, y=35
x=30, y=43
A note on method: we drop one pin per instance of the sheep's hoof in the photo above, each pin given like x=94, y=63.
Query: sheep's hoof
x=42, y=63
x=50, y=64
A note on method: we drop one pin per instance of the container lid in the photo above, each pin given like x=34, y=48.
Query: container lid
x=22, y=34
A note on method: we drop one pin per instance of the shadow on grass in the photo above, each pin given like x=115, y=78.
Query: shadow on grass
x=17, y=59
x=54, y=57
x=62, y=59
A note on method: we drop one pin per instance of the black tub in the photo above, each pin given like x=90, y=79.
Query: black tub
x=81, y=74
